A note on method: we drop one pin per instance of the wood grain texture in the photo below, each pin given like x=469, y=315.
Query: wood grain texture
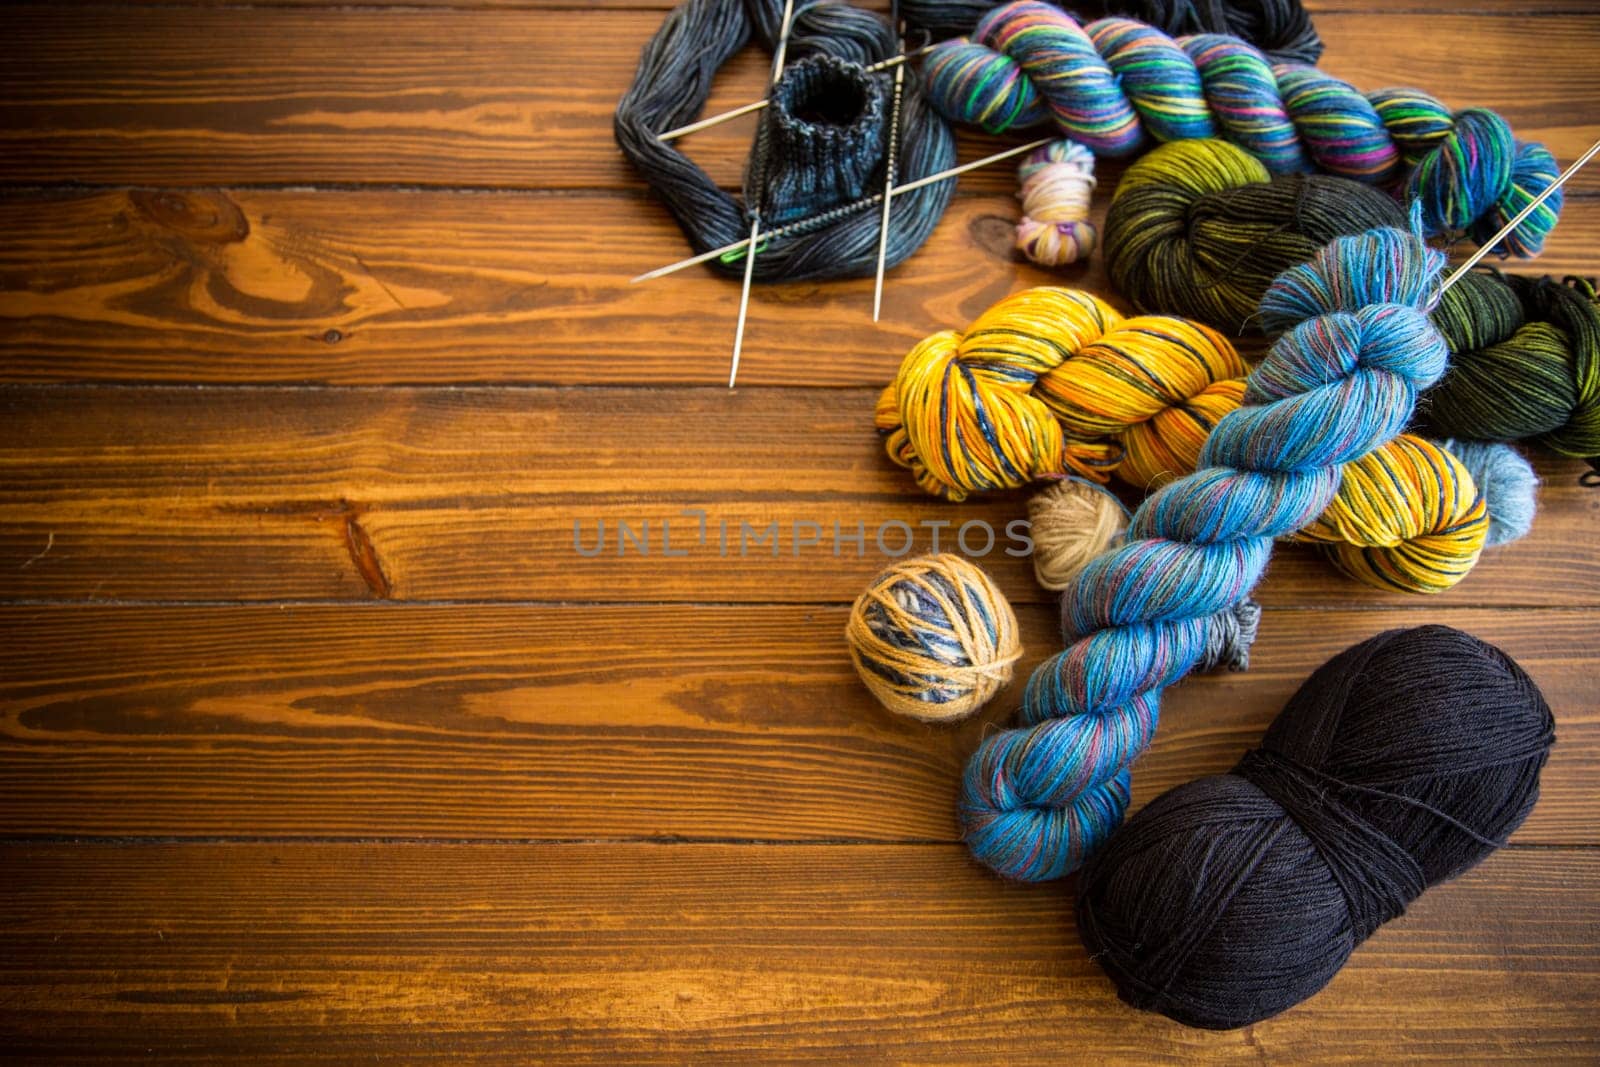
x=574, y=722
x=382, y=287
x=495, y=494
x=319, y=740
x=280, y=953
x=523, y=99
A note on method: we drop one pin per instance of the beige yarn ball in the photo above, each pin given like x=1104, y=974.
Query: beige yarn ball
x=1072, y=522
x=933, y=638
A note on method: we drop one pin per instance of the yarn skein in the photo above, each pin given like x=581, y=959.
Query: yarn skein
x=933, y=638
x=1046, y=375
x=1116, y=84
x=1399, y=764
x=1071, y=521
x=820, y=148
x=1280, y=28
x=1342, y=378
x=1199, y=228
x=1057, y=183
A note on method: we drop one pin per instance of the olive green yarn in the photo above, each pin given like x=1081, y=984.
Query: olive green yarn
x=1199, y=228
x=1526, y=365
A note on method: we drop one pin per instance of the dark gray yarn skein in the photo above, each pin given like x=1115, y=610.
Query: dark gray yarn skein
x=670, y=88
x=1280, y=28
x=1400, y=763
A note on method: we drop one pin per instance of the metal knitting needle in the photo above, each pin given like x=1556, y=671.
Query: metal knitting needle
x=889, y=164
x=943, y=175
x=1505, y=230
x=757, y=105
x=755, y=223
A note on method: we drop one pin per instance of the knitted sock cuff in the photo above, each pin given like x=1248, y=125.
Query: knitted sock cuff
x=821, y=140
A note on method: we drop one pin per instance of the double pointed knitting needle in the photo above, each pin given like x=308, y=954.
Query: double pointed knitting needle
x=1506, y=230
x=755, y=222
x=943, y=175
x=757, y=105
x=889, y=163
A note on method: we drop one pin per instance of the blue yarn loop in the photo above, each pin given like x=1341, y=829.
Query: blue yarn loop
x=1355, y=348
x=1115, y=84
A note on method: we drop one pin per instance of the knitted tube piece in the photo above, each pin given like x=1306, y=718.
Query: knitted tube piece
x=826, y=126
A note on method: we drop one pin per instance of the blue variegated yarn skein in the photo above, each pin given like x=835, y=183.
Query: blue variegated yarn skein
x=1356, y=347
x=1116, y=84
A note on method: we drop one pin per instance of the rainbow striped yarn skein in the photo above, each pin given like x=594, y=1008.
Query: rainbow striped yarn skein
x=1116, y=84
x=1356, y=349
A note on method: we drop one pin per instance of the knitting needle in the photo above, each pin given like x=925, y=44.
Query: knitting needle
x=683, y=264
x=889, y=161
x=755, y=223
x=1483, y=249
x=757, y=105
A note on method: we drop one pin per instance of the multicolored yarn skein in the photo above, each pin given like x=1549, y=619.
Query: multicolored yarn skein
x=1355, y=350
x=1399, y=764
x=933, y=638
x=1199, y=228
x=1280, y=28
x=1116, y=83
x=1048, y=378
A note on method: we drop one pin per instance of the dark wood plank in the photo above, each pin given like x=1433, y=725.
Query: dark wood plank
x=568, y=722
x=383, y=287
x=283, y=953
x=497, y=494
x=484, y=97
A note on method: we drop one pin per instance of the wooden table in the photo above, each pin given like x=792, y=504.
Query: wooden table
x=320, y=741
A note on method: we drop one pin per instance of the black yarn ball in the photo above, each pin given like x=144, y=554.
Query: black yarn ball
x=1400, y=763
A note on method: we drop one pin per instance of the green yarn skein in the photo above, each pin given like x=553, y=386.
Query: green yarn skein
x=1199, y=228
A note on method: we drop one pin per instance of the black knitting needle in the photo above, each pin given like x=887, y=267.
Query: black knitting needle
x=755, y=223
x=889, y=160
x=1516, y=221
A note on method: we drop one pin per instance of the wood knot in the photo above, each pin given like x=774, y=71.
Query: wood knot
x=206, y=217
x=994, y=234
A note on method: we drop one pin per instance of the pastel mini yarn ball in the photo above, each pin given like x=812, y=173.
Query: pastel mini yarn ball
x=933, y=638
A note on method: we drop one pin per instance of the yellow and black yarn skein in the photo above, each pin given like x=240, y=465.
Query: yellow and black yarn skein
x=1053, y=382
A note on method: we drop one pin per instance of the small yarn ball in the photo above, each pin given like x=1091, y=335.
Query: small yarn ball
x=1071, y=522
x=933, y=638
x=1399, y=764
x=1508, y=483
x=1057, y=183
